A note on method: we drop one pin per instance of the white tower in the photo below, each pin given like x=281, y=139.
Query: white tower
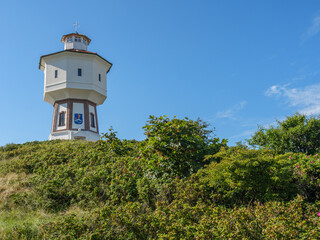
x=75, y=83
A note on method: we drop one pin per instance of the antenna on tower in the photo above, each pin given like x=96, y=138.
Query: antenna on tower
x=76, y=26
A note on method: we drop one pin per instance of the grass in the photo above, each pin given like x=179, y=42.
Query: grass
x=17, y=222
x=22, y=224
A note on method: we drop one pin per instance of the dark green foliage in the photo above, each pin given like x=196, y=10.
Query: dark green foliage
x=112, y=144
x=297, y=133
x=306, y=174
x=86, y=177
x=180, y=220
x=178, y=146
x=9, y=147
x=159, y=188
x=245, y=176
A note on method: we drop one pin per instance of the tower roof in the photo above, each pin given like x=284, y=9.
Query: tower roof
x=64, y=37
x=41, y=64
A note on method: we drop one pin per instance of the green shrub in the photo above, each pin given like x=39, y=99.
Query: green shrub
x=178, y=146
x=306, y=174
x=160, y=188
x=180, y=220
x=245, y=176
x=297, y=133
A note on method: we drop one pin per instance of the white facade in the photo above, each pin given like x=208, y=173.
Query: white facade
x=62, y=80
x=74, y=134
x=75, y=83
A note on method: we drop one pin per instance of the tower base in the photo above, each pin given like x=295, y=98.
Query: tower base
x=75, y=119
x=70, y=135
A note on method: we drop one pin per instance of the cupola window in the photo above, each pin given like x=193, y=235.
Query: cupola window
x=77, y=39
x=79, y=72
x=85, y=41
x=69, y=39
x=56, y=74
x=99, y=77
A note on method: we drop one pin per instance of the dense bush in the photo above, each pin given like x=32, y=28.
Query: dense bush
x=178, y=146
x=297, y=133
x=180, y=183
x=179, y=220
x=245, y=176
x=306, y=174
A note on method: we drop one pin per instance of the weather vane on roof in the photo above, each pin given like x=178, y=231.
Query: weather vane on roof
x=76, y=26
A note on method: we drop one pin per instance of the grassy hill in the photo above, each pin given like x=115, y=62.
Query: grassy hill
x=177, y=184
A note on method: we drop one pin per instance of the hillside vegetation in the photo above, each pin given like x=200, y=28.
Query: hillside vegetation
x=179, y=183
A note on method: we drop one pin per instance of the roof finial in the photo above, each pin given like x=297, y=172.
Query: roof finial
x=76, y=26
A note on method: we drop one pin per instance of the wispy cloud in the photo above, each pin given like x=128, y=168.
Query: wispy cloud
x=313, y=29
x=246, y=133
x=229, y=113
x=307, y=98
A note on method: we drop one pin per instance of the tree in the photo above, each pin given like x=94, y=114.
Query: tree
x=297, y=133
x=179, y=146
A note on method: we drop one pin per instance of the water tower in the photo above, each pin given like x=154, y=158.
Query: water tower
x=75, y=83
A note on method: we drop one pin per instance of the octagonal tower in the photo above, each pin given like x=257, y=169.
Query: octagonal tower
x=75, y=83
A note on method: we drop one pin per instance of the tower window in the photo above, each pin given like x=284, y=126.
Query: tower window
x=99, y=77
x=79, y=72
x=62, y=119
x=92, y=120
x=55, y=73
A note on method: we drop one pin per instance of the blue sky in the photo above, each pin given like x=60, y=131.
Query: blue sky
x=234, y=64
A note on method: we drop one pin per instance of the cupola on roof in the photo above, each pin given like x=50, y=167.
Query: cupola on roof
x=75, y=41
